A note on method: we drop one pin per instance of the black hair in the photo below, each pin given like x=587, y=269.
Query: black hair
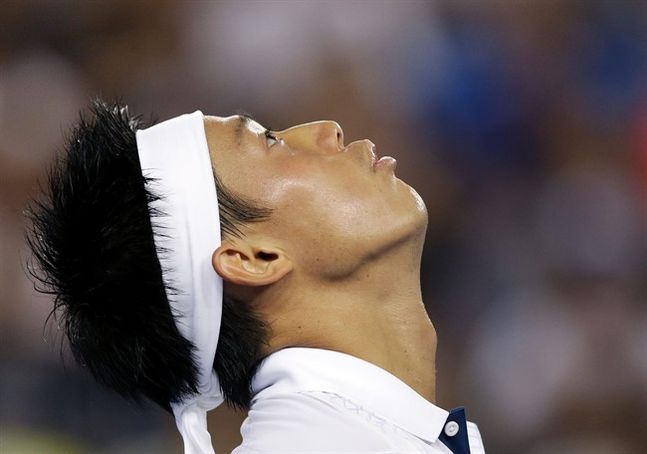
x=91, y=237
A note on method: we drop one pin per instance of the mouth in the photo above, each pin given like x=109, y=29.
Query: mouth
x=373, y=160
x=384, y=161
x=373, y=155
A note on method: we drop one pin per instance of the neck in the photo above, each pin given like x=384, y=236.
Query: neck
x=378, y=315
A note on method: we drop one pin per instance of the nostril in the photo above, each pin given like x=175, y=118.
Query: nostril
x=340, y=135
x=330, y=136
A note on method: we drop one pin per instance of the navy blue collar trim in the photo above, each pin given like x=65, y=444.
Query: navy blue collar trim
x=456, y=440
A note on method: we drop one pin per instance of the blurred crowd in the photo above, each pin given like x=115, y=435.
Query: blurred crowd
x=523, y=126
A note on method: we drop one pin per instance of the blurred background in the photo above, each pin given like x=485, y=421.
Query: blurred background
x=522, y=124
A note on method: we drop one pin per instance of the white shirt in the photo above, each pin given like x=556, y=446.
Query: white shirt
x=312, y=400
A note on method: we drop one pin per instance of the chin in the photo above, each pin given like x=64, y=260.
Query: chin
x=419, y=204
x=413, y=195
x=419, y=214
x=410, y=215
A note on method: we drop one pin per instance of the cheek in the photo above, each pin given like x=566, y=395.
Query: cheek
x=332, y=200
x=329, y=223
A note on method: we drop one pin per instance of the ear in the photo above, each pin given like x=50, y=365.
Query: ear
x=250, y=265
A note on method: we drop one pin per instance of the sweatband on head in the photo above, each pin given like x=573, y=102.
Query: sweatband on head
x=175, y=154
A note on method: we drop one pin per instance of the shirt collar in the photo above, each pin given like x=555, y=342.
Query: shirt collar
x=297, y=369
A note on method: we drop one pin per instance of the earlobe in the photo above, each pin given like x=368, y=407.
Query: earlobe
x=251, y=266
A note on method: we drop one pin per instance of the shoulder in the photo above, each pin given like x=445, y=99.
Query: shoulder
x=301, y=422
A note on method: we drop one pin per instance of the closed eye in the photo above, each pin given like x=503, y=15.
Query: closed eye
x=270, y=138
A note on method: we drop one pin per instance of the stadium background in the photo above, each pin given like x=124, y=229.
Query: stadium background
x=522, y=124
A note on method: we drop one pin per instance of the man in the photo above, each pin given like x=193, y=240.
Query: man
x=319, y=329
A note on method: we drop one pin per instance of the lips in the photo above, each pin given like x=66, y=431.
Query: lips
x=385, y=161
x=368, y=147
x=371, y=149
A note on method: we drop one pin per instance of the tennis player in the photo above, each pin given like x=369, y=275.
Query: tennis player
x=207, y=259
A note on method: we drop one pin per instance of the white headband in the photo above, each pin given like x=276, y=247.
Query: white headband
x=176, y=154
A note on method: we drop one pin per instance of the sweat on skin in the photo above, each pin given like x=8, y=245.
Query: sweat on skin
x=337, y=265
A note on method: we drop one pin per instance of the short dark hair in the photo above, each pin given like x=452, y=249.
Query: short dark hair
x=91, y=235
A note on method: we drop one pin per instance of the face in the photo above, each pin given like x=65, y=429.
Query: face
x=332, y=209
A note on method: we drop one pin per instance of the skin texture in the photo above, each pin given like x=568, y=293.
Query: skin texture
x=337, y=265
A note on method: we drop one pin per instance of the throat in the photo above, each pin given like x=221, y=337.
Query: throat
x=407, y=350
x=400, y=341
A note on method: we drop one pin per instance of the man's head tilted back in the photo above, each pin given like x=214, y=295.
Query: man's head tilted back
x=312, y=233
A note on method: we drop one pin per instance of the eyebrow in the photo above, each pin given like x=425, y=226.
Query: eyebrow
x=244, y=120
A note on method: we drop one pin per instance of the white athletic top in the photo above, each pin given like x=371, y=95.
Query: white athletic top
x=312, y=400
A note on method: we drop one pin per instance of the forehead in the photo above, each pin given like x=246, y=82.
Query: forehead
x=232, y=141
x=232, y=129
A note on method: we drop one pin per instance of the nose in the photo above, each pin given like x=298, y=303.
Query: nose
x=326, y=136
